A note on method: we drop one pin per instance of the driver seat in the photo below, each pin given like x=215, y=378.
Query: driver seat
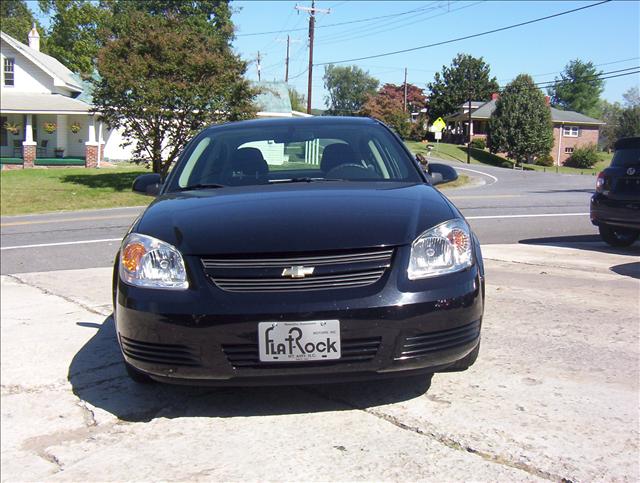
x=247, y=167
x=336, y=154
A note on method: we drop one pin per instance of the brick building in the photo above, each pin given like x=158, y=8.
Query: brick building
x=570, y=129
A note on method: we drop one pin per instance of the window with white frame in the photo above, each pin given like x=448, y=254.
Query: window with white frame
x=568, y=150
x=571, y=131
x=9, y=64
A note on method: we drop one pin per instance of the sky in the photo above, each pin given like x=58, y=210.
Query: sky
x=607, y=34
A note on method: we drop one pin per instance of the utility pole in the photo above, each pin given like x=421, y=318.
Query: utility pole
x=469, y=120
x=289, y=41
x=405, y=89
x=312, y=22
x=258, y=59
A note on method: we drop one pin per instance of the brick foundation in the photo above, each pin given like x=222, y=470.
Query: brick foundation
x=28, y=155
x=91, y=155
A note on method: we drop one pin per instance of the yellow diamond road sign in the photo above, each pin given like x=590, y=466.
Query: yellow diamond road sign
x=439, y=124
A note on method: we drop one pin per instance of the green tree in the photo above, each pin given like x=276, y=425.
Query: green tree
x=348, y=88
x=17, y=20
x=521, y=123
x=162, y=79
x=629, y=124
x=298, y=101
x=610, y=114
x=466, y=76
x=73, y=35
x=578, y=88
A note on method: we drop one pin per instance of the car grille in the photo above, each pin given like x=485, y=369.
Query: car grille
x=424, y=344
x=172, y=354
x=353, y=350
x=330, y=271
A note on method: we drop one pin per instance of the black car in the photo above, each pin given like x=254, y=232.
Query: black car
x=615, y=206
x=297, y=251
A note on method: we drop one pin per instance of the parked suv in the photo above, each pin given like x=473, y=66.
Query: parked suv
x=615, y=206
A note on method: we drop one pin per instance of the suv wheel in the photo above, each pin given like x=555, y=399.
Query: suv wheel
x=618, y=237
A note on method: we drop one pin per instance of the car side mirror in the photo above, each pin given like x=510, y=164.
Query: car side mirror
x=148, y=184
x=442, y=173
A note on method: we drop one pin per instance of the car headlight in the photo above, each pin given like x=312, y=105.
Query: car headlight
x=445, y=248
x=148, y=262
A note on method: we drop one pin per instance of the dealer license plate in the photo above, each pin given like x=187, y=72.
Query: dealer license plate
x=317, y=340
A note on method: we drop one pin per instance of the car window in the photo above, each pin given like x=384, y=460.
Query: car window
x=276, y=153
x=626, y=157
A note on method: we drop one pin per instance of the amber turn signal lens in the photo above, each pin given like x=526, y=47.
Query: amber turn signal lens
x=131, y=256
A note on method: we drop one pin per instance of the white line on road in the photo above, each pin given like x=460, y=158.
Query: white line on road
x=495, y=180
x=78, y=242
x=533, y=215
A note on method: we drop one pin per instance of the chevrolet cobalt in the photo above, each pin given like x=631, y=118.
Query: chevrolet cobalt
x=289, y=251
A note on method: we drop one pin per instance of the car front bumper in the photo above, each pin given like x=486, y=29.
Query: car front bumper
x=617, y=213
x=204, y=336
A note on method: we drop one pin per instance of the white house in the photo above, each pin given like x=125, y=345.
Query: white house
x=44, y=114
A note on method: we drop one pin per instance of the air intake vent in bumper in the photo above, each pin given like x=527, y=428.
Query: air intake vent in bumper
x=353, y=350
x=151, y=352
x=424, y=344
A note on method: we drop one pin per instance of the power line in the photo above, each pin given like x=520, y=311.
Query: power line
x=369, y=31
x=334, y=24
x=466, y=37
x=560, y=71
x=587, y=78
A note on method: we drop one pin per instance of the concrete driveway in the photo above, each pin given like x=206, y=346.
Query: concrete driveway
x=554, y=395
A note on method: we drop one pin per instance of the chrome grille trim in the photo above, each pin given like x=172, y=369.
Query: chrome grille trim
x=372, y=256
x=312, y=283
x=342, y=270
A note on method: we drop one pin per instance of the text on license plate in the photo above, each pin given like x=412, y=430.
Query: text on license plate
x=299, y=341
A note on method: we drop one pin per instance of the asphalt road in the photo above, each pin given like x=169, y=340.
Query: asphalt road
x=502, y=205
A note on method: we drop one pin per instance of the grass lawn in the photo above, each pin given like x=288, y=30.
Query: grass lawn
x=454, y=152
x=42, y=190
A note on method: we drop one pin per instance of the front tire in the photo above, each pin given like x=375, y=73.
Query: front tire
x=618, y=237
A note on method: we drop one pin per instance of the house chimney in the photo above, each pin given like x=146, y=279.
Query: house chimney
x=547, y=100
x=34, y=38
x=495, y=96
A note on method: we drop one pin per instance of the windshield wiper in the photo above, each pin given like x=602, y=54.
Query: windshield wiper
x=303, y=180
x=201, y=186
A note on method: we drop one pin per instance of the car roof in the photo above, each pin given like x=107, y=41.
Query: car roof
x=627, y=143
x=296, y=122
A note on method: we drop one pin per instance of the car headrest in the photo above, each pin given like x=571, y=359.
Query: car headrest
x=336, y=154
x=247, y=166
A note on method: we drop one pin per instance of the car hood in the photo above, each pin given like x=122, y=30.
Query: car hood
x=307, y=217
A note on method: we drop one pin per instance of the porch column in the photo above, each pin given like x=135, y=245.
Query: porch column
x=100, y=143
x=28, y=145
x=62, y=133
x=91, y=146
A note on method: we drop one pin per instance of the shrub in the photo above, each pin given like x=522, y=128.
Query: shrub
x=545, y=160
x=584, y=157
x=478, y=143
x=418, y=132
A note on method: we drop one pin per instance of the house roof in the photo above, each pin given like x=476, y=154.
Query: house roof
x=47, y=63
x=37, y=103
x=557, y=116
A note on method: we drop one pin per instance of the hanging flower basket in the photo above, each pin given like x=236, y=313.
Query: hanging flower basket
x=50, y=127
x=75, y=127
x=12, y=128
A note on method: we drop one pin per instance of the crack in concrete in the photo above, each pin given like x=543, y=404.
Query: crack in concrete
x=448, y=441
x=13, y=389
x=87, y=413
x=63, y=297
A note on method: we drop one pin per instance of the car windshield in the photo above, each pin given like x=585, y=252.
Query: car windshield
x=277, y=153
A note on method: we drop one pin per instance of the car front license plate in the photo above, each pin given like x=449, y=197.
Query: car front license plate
x=317, y=340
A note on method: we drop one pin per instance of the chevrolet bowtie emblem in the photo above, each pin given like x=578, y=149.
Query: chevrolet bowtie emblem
x=297, y=271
